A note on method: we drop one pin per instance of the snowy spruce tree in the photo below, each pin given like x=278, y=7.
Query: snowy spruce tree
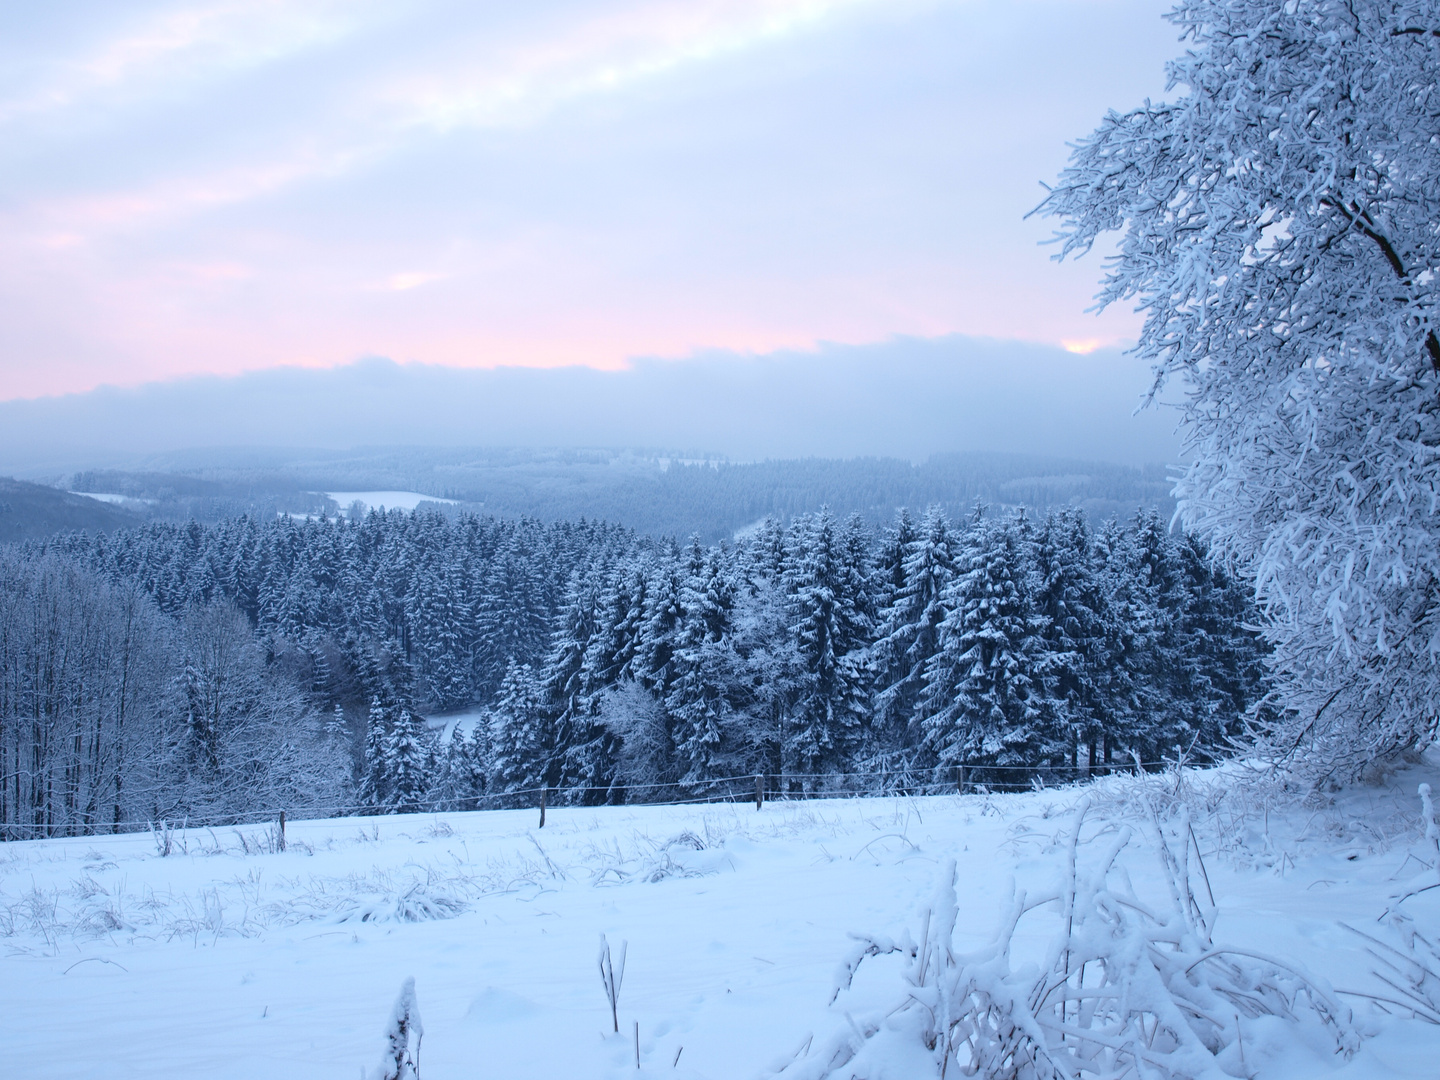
x=1068, y=595
x=586, y=748
x=464, y=767
x=1125, y=648
x=765, y=681
x=1279, y=226
x=828, y=619
x=921, y=565
x=400, y=759
x=410, y=764
x=520, y=732
x=1149, y=577
x=374, y=786
x=441, y=626
x=699, y=701
x=982, y=702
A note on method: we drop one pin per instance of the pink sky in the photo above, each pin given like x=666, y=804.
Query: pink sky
x=219, y=187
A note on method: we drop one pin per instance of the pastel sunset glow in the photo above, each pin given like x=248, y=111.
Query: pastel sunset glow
x=218, y=187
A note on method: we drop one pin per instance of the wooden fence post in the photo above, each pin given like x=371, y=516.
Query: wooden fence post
x=542, y=805
x=282, y=830
x=962, y=779
x=759, y=790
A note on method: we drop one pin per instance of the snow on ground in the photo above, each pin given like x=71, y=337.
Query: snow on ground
x=229, y=959
x=389, y=500
x=464, y=722
x=107, y=497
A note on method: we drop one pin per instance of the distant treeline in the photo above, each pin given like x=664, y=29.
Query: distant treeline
x=713, y=500
x=716, y=500
x=190, y=670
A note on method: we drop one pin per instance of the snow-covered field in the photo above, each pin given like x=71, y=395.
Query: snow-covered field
x=389, y=500
x=464, y=722
x=227, y=958
x=107, y=497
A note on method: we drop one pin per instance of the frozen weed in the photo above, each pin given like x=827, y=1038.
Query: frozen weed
x=164, y=835
x=420, y=902
x=670, y=858
x=86, y=887
x=553, y=870
x=100, y=918
x=1129, y=986
x=1409, y=963
x=423, y=894
x=400, y=1060
x=38, y=908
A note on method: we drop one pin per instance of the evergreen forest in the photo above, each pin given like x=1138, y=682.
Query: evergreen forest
x=216, y=672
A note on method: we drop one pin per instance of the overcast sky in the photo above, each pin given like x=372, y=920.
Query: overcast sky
x=221, y=187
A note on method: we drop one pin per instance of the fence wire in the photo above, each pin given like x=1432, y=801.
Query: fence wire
x=778, y=787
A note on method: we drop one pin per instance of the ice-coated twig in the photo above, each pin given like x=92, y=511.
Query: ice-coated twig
x=612, y=978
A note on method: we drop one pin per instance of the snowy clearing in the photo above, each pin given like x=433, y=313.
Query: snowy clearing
x=383, y=500
x=463, y=722
x=108, y=497
x=230, y=959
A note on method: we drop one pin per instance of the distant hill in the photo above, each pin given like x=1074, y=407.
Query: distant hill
x=182, y=495
x=648, y=490
x=34, y=511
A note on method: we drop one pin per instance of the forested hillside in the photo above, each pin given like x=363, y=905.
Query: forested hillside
x=34, y=511
x=191, y=670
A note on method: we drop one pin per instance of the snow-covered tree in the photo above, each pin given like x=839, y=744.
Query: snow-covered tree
x=908, y=633
x=981, y=704
x=700, y=699
x=637, y=719
x=400, y=759
x=831, y=631
x=520, y=733
x=374, y=781
x=410, y=762
x=584, y=747
x=464, y=768
x=440, y=621
x=765, y=682
x=1280, y=228
x=1068, y=595
x=611, y=653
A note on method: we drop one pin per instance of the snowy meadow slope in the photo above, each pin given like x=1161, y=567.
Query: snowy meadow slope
x=227, y=958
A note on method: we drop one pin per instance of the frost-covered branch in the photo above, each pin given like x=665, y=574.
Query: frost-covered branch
x=1280, y=230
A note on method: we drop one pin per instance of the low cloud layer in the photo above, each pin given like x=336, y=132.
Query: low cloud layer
x=907, y=397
